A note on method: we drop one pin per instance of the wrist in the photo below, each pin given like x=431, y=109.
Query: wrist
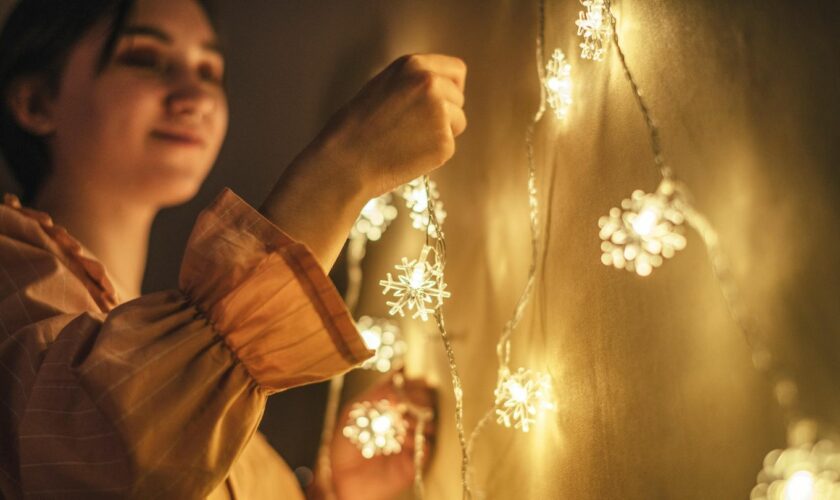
x=331, y=162
x=316, y=201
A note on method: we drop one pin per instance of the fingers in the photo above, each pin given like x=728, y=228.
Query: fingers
x=454, y=102
x=450, y=67
x=446, y=89
x=457, y=119
x=444, y=77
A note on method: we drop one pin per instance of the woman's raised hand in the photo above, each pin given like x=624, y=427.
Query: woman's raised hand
x=401, y=125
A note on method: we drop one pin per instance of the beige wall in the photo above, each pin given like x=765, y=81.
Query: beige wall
x=658, y=396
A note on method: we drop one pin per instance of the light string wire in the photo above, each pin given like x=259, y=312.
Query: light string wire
x=503, y=347
x=755, y=339
x=356, y=250
x=653, y=130
x=439, y=245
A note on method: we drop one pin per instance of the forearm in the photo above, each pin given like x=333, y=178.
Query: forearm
x=401, y=125
x=316, y=201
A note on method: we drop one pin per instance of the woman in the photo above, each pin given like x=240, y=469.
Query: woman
x=111, y=110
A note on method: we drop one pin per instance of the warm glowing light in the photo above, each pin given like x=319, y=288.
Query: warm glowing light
x=800, y=486
x=419, y=287
x=417, y=201
x=376, y=428
x=642, y=233
x=375, y=217
x=381, y=424
x=386, y=339
x=810, y=472
x=558, y=84
x=646, y=221
x=595, y=28
x=417, y=276
x=522, y=396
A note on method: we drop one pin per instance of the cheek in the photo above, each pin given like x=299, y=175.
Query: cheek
x=127, y=112
x=108, y=120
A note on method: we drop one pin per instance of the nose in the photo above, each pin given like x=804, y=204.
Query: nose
x=189, y=101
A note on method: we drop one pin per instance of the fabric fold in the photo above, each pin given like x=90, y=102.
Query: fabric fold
x=268, y=297
x=161, y=396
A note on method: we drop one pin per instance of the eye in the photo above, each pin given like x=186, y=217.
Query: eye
x=211, y=73
x=143, y=58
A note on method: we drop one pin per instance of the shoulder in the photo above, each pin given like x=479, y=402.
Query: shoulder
x=42, y=261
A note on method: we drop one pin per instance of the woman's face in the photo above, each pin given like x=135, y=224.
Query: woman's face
x=149, y=127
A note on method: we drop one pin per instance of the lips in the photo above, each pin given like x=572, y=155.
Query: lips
x=179, y=137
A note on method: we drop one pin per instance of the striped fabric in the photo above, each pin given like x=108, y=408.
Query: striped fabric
x=159, y=397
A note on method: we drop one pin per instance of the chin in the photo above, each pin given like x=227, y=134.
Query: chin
x=171, y=187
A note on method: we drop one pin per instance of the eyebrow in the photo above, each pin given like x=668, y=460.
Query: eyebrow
x=162, y=36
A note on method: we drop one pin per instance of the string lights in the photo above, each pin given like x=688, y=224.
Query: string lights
x=418, y=287
x=380, y=335
x=593, y=25
x=646, y=229
x=558, y=84
x=800, y=473
x=386, y=339
x=522, y=397
x=376, y=428
x=809, y=471
x=638, y=235
x=375, y=217
x=418, y=201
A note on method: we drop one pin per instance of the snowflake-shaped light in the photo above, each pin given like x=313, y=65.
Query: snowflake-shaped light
x=558, y=84
x=417, y=201
x=419, y=286
x=595, y=28
x=644, y=231
x=800, y=473
x=376, y=428
x=522, y=396
x=386, y=339
x=374, y=218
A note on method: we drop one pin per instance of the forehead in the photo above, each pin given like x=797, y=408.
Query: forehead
x=183, y=20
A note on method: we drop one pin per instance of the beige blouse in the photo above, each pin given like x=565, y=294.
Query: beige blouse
x=158, y=397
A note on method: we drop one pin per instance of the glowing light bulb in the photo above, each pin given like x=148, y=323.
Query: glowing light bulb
x=594, y=26
x=371, y=340
x=381, y=424
x=386, y=339
x=517, y=392
x=558, y=84
x=807, y=472
x=644, y=231
x=521, y=397
x=800, y=486
x=376, y=428
x=419, y=287
x=644, y=223
x=374, y=218
x=418, y=276
x=417, y=201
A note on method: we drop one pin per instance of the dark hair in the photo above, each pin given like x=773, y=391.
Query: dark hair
x=36, y=40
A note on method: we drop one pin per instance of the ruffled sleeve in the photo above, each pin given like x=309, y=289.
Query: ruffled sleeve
x=159, y=396
x=268, y=298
